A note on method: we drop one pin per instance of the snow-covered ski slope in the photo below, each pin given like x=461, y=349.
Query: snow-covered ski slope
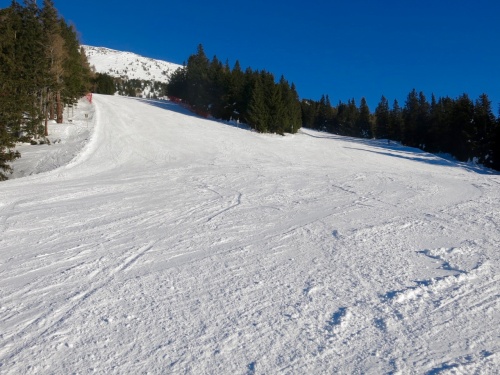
x=178, y=245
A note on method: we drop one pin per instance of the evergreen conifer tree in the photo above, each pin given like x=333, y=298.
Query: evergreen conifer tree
x=410, y=116
x=197, y=88
x=423, y=121
x=34, y=66
x=364, y=122
x=325, y=114
x=381, y=128
x=396, y=122
x=485, y=124
x=309, y=109
x=235, y=91
x=295, y=110
x=462, y=119
x=258, y=114
x=351, y=119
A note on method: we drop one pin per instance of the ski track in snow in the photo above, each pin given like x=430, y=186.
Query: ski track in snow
x=174, y=244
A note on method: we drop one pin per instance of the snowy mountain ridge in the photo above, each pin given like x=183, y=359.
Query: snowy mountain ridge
x=129, y=65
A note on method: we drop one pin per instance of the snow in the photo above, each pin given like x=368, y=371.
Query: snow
x=129, y=65
x=175, y=244
x=66, y=141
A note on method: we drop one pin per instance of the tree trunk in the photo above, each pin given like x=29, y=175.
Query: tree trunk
x=46, y=133
x=59, y=108
x=52, y=115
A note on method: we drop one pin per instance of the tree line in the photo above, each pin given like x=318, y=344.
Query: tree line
x=42, y=69
x=466, y=129
x=106, y=84
x=253, y=97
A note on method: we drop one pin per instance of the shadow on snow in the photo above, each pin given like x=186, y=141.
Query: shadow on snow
x=395, y=149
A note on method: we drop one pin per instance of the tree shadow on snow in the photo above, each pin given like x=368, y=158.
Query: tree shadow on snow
x=397, y=150
x=174, y=107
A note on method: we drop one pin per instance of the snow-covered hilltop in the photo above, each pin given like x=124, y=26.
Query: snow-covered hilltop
x=129, y=65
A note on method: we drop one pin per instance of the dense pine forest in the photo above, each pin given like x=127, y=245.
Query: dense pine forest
x=466, y=129
x=42, y=69
x=253, y=97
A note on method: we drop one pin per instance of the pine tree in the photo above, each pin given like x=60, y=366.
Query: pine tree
x=32, y=53
x=381, y=128
x=423, y=121
x=218, y=87
x=177, y=85
x=496, y=145
x=10, y=101
x=55, y=55
x=363, y=122
x=410, y=116
x=77, y=74
x=309, y=109
x=396, y=122
x=258, y=115
x=351, y=119
x=243, y=106
x=197, y=93
x=104, y=84
x=462, y=131
x=34, y=67
x=485, y=123
x=295, y=110
x=325, y=114
x=235, y=92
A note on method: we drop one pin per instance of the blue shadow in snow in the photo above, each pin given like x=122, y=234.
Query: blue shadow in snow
x=337, y=317
x=395, y=149
x=174, y=107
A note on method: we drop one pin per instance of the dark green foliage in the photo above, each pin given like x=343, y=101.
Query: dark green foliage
x=396, y=122
x=325, y=114
x=76, y=70
x=178, y=83
x=258, y=114
x=211, y=87
x=460, y=127
x=104, y=84
x=462, y=117
x=309, y=109
x=495, y=163
x=381, y=126
x=197, y=81
x=41, y=66
x=483, y=139
x=364, y=120
x=347, y=119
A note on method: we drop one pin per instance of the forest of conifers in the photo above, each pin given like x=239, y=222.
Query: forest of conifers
x=466, y=129
x=43, y=68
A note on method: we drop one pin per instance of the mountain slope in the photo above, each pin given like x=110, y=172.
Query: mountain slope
x=129, y=65
x=174, y=244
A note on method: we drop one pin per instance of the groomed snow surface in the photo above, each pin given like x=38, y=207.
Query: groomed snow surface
x=172, y=244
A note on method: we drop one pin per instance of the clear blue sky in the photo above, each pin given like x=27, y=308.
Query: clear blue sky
x=346, y=49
